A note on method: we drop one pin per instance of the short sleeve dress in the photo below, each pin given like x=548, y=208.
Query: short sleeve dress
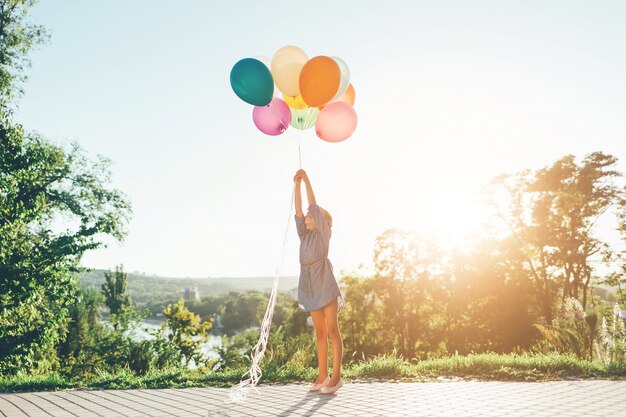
x=317, y=286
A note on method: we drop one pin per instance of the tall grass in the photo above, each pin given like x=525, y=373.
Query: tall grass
x=485, y=366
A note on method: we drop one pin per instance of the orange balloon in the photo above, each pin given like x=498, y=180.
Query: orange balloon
x=319, y=80
x=349, y=96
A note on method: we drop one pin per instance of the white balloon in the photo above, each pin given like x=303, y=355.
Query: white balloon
x=345, y=77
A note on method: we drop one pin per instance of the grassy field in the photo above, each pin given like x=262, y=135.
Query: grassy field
x=485, y=367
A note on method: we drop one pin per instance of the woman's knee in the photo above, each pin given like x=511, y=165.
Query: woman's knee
x=321, y=333
x=333, y=332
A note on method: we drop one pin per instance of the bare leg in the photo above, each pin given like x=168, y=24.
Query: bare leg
x=330, y=314
x=321, y=332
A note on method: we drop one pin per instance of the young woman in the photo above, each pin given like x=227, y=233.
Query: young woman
x=318, y=292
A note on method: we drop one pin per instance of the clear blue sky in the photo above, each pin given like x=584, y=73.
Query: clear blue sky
x=449, y=95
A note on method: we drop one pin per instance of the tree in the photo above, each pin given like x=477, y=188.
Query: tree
x=243, y=310
x=362, y=324
x=405, y=255
x=425, y=301
x=552, y=214
x=531, y=237
x=114, y=291
x=406, y=266
x=187, y=331
x=17, y=38
x=43, y=187
x=617, y=278
x=579, y=195
x=487, y=302
x=76, y=351
x=55, y=205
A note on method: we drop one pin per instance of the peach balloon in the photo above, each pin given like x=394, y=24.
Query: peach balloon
x=319, y=80
x=287, y=63
x=349, y=96
x=336, y=122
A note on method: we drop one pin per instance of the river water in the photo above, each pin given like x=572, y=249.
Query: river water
x=145, y=330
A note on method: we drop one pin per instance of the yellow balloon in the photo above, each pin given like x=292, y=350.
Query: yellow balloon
x=286, y=65
x=295, y=102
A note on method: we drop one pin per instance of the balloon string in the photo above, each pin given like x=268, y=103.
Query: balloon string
x=239, y=392
x=299, y=153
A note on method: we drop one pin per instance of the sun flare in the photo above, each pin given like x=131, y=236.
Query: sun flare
x=452, y=215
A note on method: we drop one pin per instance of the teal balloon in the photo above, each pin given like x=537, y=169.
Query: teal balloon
x=252, y=81
x=305, y=118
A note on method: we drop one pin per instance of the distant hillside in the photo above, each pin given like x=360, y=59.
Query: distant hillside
x=143, y=288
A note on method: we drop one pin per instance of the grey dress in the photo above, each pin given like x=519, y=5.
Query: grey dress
x=317, y=286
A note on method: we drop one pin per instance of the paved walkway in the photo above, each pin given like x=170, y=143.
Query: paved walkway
x=561, y=398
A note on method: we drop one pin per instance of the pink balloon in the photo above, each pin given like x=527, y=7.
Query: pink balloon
x=272, y=119
x=336, y=122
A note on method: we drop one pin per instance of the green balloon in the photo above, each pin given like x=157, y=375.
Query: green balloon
x=252, y=81
x=305, y=118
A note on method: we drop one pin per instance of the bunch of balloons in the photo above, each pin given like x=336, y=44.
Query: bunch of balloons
x=315, y=92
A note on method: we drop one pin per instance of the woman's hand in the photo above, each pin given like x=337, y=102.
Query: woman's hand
x=297, y=178
x=309, y=189
x=303, y=174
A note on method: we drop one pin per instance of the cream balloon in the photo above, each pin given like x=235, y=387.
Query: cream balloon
x=286, y=65
x=345, y=77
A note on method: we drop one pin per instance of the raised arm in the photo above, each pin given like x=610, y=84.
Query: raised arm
x=297, y=179
x=309, y=190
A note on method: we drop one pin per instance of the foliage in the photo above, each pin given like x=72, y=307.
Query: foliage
x=41, y=186
x=552, y=213
x=468, y=300
x=75, y=350
x=611, y=346
x=285, y=354
x=118, y=300
x=17, y=38
x=186, y=331
x=573, y=330
x=114, y=290
x=422, y=301
x=235, y=350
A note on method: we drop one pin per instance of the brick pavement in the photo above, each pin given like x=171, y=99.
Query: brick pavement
x=458, y=399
